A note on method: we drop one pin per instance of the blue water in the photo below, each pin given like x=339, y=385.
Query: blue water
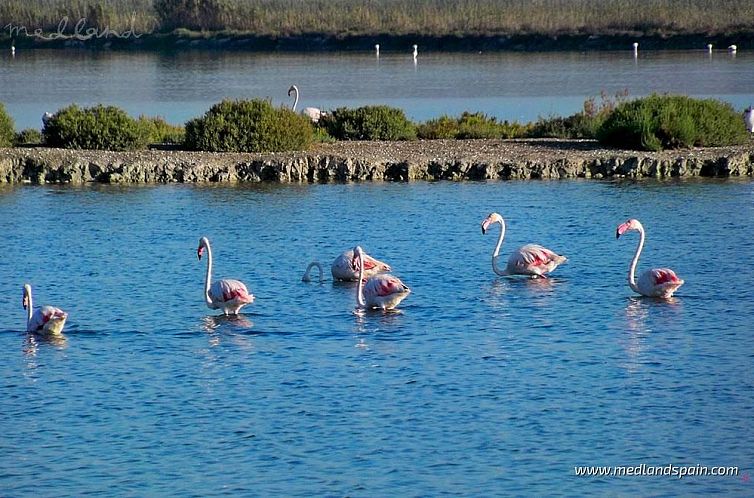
x=479, y=386
x=513, y=86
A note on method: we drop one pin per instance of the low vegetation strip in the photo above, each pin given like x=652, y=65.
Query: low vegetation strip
x=375, y=161
x=433, y=18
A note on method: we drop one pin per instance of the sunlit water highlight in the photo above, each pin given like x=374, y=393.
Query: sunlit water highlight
x=479, y=385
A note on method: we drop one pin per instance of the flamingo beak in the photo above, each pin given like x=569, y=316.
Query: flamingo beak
x=485, y=225
x=26, y=301
x=199, y=252
x=621, y=230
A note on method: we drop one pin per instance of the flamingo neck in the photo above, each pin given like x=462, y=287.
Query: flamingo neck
x=496, y=252
x=29, y=308
x=360, y=288
x=314, y=264
x=295, y=98
x=634, y=262
x=208, y=276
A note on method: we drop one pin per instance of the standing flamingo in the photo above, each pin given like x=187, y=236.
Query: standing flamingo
x=657, y=282
x=380, y=291
x=311, y=112
x=47, y=319
x=228, y=295
x=531, y=259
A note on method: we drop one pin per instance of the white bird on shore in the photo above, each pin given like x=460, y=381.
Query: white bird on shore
x=416, y=51
x=377, y=49
x=749, y=119
x=312, y=112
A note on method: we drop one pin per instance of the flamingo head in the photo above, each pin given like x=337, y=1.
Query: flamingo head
x=631, y=224
x=27, y=293
x=292, y=89
x=489, y=220
x=358, y=253
x=203, y=244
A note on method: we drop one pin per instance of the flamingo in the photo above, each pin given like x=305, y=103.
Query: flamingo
x=732, y=49
x=311, y=112
x=344, y=267
x=657, y=282
x=416, y=51
x=709, y=48
x=47, y=319
x=377, y=49
x=531, y=259
x=228, y=295
x=636, y=47
x=749, y=119
x=380, y=291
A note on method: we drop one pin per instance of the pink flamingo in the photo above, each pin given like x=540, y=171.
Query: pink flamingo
x=531, y=259
x=657, y=282
x=344, y=267
x=380, y=291
x=47, y=319
x=228, y=295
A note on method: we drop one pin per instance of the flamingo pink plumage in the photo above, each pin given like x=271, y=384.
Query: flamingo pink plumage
x=227, y=294
x=380, y=291
x=47, y=319
x=345, y=267
x=531, y=259
x=657, y=282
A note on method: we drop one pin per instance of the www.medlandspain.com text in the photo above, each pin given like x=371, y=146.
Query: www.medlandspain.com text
x=670, y=470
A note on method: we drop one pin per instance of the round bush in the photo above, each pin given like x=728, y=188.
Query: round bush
x=369, y=123
x=7, y=132
x=670, y=121
x=248, y=126
x=29, y=136
x=99, y=127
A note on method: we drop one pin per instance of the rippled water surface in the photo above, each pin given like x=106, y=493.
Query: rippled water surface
x=479, y=386
x=512, y=86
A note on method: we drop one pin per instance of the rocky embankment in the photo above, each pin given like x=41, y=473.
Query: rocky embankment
x=367, y=161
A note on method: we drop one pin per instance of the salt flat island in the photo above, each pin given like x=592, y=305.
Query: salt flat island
x=376, y=161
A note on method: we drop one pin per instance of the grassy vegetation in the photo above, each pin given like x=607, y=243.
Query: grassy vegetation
x=651, y=123
x=393, y=17
x=7, y=133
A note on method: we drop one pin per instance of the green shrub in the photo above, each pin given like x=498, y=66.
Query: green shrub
x=470, y=125
x=671, y=121
x=158, y=131
x=378, y=122
x=442, y=127
x=248, y=126
x=99, y=127
x=583, y=124
x=7, y=132
x=29, y=136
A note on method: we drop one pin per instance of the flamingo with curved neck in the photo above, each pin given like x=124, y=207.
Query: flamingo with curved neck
x=657, y=282
x=380, y=291
x=227, y=294
x=47, y=319
x=532, y=259
x=312, y=113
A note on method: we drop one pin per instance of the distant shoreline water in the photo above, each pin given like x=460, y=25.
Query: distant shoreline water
x=186, y=40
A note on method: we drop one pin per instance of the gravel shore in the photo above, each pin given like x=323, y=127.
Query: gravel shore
x=370, y=161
